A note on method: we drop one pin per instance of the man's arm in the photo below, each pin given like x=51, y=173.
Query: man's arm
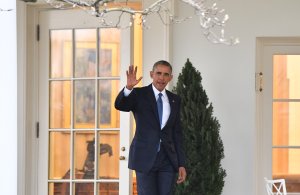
x=123, y=102
x=178, y=136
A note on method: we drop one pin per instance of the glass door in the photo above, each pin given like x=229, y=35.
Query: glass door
x=280, y=111
x=80, y=150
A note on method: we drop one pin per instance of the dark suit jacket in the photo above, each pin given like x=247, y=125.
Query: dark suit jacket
x=143, y=149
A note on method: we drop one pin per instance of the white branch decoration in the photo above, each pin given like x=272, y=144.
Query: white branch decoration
x=212, y=19
x=5, y=10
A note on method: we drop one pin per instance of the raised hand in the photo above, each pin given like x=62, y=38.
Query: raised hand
x=131, y=77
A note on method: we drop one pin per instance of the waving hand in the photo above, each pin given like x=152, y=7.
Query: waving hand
x=131, y=77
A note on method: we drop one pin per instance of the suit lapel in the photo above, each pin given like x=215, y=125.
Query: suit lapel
x=172, y=103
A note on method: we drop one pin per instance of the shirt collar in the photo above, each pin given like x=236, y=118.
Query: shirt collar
x=156, y=92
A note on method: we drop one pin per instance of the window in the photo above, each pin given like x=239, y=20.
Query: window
x=286, y=120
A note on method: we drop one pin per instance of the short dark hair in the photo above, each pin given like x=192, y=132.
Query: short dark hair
x=162, y=62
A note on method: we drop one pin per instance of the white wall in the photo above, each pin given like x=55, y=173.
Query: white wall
x=228, y=74
x=157, y=42
x=8, y=99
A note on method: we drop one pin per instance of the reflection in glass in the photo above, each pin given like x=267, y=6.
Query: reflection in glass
x=57, y=188
x=60, y=98
x=286, y=123
x=286, y=76
x=109, y=53
x=109, y=188
x=85, y=54
x=286, y=165
x=61, y=53
x=108, y=116
x=59, y=160
x=84, y=104
x=84, y=154
x=84, y=189
x=108, y=156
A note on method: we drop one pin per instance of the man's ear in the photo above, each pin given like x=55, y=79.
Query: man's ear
x=151, y=74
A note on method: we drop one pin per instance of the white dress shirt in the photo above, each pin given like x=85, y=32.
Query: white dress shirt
x=166, y=105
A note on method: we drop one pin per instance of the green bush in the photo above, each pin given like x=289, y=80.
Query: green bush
x=203, y=146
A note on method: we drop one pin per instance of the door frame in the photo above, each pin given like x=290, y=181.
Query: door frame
x=263, y=136
x=30, y=98
x=25, y=127
x=32, y=109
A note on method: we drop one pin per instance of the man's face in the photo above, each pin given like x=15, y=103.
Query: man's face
x=161, y=75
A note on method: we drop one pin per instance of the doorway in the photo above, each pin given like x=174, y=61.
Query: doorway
x=278, y=107
x=82, y=141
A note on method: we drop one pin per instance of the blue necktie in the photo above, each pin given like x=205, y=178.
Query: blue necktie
x=160, y=108
x=160, y=112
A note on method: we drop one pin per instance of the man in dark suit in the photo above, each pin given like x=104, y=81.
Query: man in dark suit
x=156, y=152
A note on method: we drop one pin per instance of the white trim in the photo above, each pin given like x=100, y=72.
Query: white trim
x=31, y=172
x=125, y=118
x=21, y=108
x=258, y=180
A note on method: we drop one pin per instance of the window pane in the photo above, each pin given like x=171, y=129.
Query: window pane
x=109, y=53
x=286, y=123
x=84, y=104
x=286, y=165
x=286, y=76
x=60, y=98
x=85, y=54
x=61, y=53
x=59, y=160
x=108, y=188
x=108, y=163
x=108, y=116
x=59, y=188
x=84, y=154
x=84, y=189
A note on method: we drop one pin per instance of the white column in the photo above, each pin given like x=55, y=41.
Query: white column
x=8, y=98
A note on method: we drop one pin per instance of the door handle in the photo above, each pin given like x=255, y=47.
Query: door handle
x=122, y=158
